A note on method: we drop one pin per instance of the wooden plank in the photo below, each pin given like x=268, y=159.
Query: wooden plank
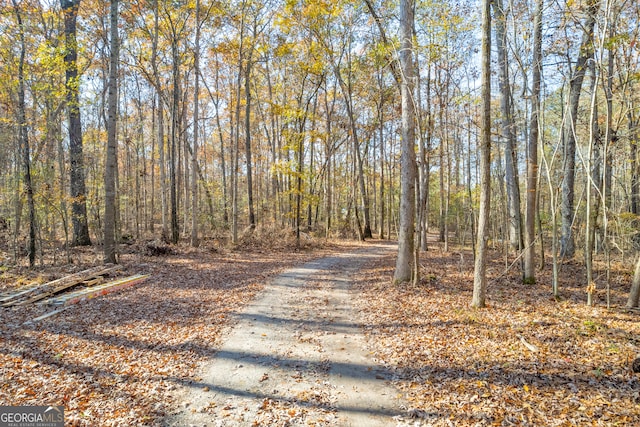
x=24, y=291
x=91, y=293
x=95, y=291
x=51, y=288
x=92, y=282
x=47, y=294
x=85, y=274
x=46, y=315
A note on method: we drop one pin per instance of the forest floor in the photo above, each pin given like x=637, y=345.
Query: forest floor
x=141, y=356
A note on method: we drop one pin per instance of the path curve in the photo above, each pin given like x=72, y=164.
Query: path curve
x=296, y=356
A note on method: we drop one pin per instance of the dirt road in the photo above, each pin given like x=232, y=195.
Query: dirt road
x=296, y=356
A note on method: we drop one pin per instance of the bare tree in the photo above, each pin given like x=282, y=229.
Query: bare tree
x=508, y=129
x=23, y=139
x=247, y=125
x=532, y=150
x=111, y=163
x=174, y=231
x=479, y=274
x=194, y=153
x=405, y=261
x=78, y=188
x=567, y=244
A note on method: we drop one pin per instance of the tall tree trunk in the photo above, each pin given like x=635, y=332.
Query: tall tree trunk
x=567, y=241
x=223, y=163
x=299, y=170
x=173, y=143
x=162, y=158
x=235, y=130
x=405, y=261
x=312, y=183
x=194, y=154
x=380, y=105
x=532, y=150
x=425, y=181
x=159, y=134
x=421, y=186
x=329, y=148
x=508, y=130
x=247, y=136
x=111, y=163
x=78, y=189
x=233, y=120
x=348, y=99
x=594, y=160
x=23, y=138
x=610, y=133
x=479, y=274
x=441, y=149
x=62, y=196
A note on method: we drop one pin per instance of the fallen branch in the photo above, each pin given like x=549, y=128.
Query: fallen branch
x=44, y=316
x=531, y=347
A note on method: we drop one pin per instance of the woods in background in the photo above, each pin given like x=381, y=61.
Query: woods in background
x=199, y=119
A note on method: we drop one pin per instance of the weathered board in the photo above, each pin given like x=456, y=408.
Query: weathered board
x=23, y=291
x=46, y=290
x=95, y=291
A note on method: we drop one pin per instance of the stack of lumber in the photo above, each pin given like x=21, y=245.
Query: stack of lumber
x=94, y=291
x=39, y=292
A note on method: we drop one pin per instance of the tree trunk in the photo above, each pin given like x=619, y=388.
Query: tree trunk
x=235, y=137
x=247, y=136
x=312, y=183
x=425, y=158
x=382, y=158
x=62, y=196
x=223, y=165
x=508, y=130
x=479, y=274
x=78, y=189
x=194, y=154
x=299, y=170
x=405, y=261
x=443, y=218
x=23, y=138
x=174, y=235
x=420, y=236
x=111, y=163
x=347, y=93
x=471, y=214
x=633, y=162
x=594, y=160
x=634, y=293
x=159, y=134
x=329, y=148
x=532, y=151
x=567, y=244
x=380, y=105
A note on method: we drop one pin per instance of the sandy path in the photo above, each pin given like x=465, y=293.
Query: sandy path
x=296, y=356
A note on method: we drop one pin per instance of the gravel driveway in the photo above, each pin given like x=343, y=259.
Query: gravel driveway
x=296, y=356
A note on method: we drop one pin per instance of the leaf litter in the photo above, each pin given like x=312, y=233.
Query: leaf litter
x=526, y=360
x=117, y=360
